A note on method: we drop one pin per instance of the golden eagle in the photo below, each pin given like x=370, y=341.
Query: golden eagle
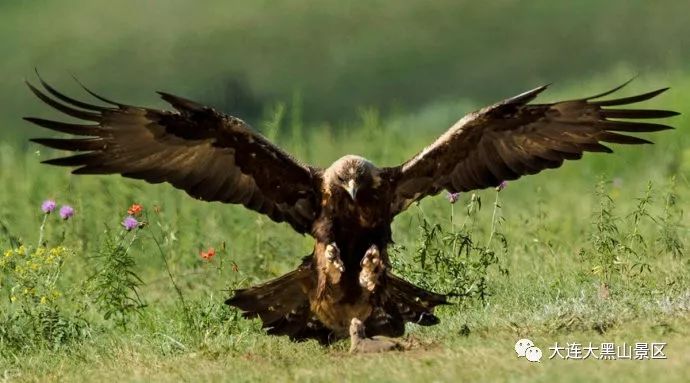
x=346, y=283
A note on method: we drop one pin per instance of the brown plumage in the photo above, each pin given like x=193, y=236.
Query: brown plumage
x=211, y=156
x=348, y=207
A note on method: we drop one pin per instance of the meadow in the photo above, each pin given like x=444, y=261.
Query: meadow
x=593, y=252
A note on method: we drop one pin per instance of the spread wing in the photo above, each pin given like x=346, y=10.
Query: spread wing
x=510, y=139
x=211, y=156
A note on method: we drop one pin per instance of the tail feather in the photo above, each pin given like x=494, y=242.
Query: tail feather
x=414, y=304
x=281, y=294
x=282, y=305
x=415, y=294
x=403, y=302
x=300, y=325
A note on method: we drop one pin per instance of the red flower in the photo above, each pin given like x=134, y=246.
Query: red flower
x=135, y=209
x=207, y=255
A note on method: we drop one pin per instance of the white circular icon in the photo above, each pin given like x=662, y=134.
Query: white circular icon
x=522, y=345
x=533, y=354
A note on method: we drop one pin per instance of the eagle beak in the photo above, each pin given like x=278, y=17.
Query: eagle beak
x=351, y=189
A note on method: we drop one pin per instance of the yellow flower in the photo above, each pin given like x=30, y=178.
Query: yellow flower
x=13, y=299
x=44, y=300
x=57, y=251
x=8, y=253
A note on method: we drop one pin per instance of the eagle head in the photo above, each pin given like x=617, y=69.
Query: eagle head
x=353, y=174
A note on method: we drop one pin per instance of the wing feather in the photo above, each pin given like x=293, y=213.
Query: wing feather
x=213, y=157
x=513, y=138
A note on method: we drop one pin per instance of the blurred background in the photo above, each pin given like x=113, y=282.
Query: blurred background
x=331, y=58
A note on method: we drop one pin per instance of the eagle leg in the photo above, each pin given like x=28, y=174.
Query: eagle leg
x=333, y=256
x=373, y=266
x=330, y=267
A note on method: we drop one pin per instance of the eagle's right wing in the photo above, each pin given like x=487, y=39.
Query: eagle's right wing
x=213, y=157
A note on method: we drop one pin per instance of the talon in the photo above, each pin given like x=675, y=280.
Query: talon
x=372, y=268
x=330, y=251
x=333, y=256
x=371, y=256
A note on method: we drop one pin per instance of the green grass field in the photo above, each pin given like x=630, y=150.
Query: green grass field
x=586, y=253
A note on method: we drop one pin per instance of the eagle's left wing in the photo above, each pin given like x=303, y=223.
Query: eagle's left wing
x=510, y=139
x=211, y=156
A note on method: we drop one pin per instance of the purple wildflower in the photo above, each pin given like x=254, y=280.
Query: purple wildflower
x=130, y=223
x=617, y=182
x=453, y=197
x=66, y=212
x=48, y=206
x=502, y=185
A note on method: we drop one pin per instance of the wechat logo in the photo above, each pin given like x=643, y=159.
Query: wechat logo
x=526, y=348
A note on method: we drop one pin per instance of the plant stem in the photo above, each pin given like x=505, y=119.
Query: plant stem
x=452, y=214
x=493, y=221
x=170, y=275
x=41, y=230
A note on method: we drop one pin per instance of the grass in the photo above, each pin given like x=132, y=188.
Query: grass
x=481, y=357
x=572, y=276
